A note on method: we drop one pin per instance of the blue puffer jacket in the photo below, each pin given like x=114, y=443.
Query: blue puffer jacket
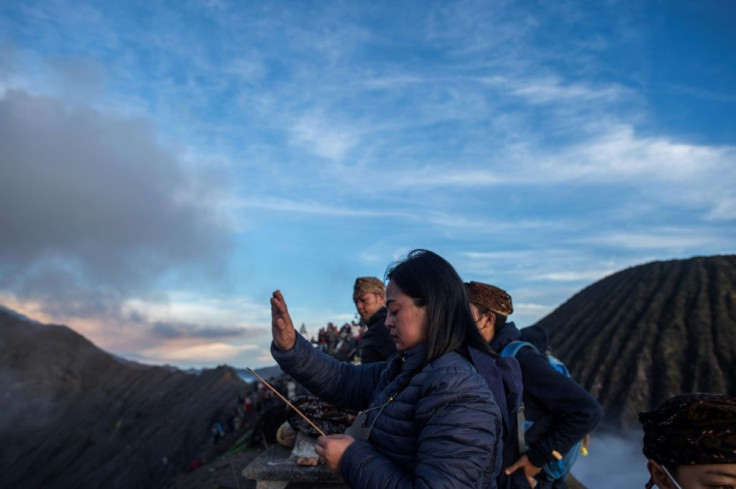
x=442, y=430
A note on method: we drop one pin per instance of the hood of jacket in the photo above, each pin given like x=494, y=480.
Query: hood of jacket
x=505, y=335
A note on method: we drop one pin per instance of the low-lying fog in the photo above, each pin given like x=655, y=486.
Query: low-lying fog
x=613, y=462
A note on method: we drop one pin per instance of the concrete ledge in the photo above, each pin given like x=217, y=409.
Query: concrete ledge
x=274, y=469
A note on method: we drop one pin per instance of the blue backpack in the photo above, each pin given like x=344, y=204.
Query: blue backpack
x=557, y=468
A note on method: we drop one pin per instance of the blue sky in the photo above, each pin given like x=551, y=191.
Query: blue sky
x=165, y=165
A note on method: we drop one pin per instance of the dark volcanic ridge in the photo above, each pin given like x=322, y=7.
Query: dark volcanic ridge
x=646, y=333
x=75, y=416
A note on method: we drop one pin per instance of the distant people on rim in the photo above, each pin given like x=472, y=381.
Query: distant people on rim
x=376, y=344
x=429, y=418
x=690, y=442
x=562, y=412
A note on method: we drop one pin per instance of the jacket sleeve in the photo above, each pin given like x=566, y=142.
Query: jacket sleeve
x=576, y=412
x=339, y=383
x=459, y=441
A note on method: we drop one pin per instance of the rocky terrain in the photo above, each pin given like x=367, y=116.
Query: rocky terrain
x=646, y=333
x=75, y=416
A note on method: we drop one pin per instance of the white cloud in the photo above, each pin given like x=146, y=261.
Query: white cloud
x=575, y=276
x=662, y=239
x=554, y=90
x=204, y=353
x=194, y=308
x=528, y=309
x=306, y=207
x=615, y=155
x=619, y=155
x=392, y=82
x=725, y=210
x=455, y=177
x=322, y=137
x=667, y=172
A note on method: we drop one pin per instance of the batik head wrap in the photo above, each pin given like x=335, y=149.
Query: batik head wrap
x=691, y=429
x=490, y=297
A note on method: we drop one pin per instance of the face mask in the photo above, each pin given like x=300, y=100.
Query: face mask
x=678, y=486
x=669, y=476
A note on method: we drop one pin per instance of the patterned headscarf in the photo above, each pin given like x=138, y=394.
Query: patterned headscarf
x=490, y=297
x=691, y=429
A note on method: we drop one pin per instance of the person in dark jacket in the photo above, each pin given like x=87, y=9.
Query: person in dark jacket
x=690, y=442
x=563, y=412
x=375, y=344
x=428, y=418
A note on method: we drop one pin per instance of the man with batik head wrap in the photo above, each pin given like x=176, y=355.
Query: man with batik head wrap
x=690, y=442
x=376, y=344
x=561, y=410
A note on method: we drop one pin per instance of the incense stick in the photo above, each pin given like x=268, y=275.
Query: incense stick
x=287, y=402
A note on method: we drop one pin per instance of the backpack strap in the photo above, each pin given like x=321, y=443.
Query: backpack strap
x=555, y=469
x=520, y=429
x=512, y=348
x=558, y=365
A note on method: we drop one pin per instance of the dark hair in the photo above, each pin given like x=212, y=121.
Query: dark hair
x=433, y=283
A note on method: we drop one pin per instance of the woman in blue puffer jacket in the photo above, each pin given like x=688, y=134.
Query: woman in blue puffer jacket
x=428, y=418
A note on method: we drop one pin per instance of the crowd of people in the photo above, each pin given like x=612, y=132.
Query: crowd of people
x=341, y=343
x=452, y=394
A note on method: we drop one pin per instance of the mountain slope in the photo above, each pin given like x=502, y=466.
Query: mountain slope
x=646, y=333
x=74, y=416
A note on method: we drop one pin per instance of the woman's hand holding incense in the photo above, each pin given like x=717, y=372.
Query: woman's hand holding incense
x=331, y=449
x=282, y=328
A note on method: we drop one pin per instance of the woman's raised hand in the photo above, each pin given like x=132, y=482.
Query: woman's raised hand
x=282, y=328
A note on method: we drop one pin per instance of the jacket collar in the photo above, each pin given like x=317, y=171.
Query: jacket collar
x=378, y=316
x=413, y=357
x=406, y=361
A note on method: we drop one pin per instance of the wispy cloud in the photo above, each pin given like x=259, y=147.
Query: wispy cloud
x=525, y=313
x=326, y=139
x=725, y=210
x=622, y=156
x=208, y=354
x=197, y=311
x=576, y=276
x=162, y=329
x=674, y=239
x=307, y=207
x=552, y=89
